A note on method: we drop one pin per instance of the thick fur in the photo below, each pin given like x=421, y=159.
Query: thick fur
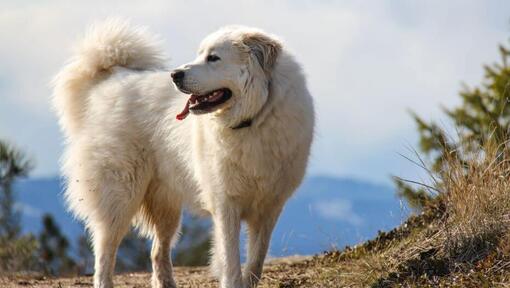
x=128, y=160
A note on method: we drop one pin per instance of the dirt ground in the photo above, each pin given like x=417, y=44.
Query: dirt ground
x=284, y=272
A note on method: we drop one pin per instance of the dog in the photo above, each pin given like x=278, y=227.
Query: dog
x=236, y=152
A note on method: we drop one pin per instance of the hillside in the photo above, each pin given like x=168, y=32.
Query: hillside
x=460, y=239
x=408, y=256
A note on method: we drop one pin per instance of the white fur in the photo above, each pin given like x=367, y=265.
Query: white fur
x=129, y=160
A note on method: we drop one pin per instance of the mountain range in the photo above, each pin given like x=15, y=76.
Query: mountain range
x=325, y=212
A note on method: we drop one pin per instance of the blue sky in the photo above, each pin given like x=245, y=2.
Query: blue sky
x=368, y=63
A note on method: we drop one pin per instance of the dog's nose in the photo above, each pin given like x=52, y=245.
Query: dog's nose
x=177, y=75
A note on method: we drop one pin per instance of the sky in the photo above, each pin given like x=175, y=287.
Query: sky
x=368, y=64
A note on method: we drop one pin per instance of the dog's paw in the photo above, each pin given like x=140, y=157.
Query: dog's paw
x=250, y=281
x=163, y=283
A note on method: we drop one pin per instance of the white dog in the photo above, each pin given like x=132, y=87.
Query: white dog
x=128, y=160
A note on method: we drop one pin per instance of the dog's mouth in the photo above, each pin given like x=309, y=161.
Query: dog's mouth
x=200, y=104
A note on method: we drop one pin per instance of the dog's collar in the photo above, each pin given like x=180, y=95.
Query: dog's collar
x=243, y=124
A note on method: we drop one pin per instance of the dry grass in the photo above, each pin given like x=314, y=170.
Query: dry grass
x=477, y=202
x=466, y=242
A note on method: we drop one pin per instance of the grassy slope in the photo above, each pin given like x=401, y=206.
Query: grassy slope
x=428, y=250
x=410, y=256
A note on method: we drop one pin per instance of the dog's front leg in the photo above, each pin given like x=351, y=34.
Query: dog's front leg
x=226, y=263
x=260, y=226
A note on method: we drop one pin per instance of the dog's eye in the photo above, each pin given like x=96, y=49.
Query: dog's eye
x=212, y=58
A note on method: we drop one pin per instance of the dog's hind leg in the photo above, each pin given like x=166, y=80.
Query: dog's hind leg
x=106, y=239
x=113, y=203
x=162, y=275
x=164, y=219
x=260, y=227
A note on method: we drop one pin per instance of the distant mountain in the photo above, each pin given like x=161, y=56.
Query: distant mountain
x=329, y=212
x=325, y=212
x=38, y=196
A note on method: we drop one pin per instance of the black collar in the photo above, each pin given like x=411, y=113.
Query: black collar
x=243, y=124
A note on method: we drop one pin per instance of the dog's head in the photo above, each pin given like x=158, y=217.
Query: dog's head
x=230, y=75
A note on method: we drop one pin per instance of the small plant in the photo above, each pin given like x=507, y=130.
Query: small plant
x=482, y=118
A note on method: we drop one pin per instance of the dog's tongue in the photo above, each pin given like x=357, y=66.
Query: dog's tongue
x=181, y=116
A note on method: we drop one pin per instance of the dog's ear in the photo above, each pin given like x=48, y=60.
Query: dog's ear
x=264, y=48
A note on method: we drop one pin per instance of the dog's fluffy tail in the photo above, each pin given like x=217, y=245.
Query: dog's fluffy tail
x=107, y=44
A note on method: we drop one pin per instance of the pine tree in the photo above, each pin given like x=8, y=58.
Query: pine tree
x=17, y=252
x=85, y=256
x=53, y=249
x=134, y=253
x=194, y=245
x=482, y=116
x=13, y=165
